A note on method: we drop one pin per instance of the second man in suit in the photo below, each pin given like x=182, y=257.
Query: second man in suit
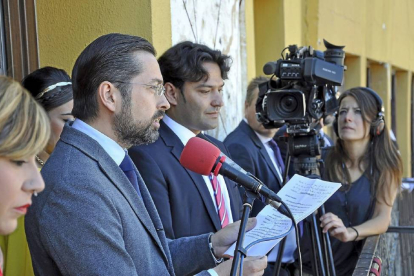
x=188, y=203
x=254, y=148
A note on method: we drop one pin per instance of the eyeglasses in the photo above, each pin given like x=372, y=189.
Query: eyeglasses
x=159, y=88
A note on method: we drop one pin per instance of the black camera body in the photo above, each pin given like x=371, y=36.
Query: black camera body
x=312, y=70
x=305, y=88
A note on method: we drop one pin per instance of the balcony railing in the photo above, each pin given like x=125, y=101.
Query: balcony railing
x=396, y=247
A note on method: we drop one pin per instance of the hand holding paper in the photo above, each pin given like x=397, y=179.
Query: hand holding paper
x=303, y=196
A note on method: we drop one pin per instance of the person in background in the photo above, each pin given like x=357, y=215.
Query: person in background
x=24, y=132
x=254, y=148
x=367, y=163
x=52, y=89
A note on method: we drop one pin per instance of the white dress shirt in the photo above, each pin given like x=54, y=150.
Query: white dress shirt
x=114, y=150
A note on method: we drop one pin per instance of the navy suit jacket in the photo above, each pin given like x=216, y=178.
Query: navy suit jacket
x=180, y=195
x=249, y=153
x=89, y=220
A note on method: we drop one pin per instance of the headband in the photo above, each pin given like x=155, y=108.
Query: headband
x=51, y=87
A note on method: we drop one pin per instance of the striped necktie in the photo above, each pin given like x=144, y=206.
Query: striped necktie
x=220, y=204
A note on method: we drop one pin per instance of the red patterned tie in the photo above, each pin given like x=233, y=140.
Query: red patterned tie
x=220, y=204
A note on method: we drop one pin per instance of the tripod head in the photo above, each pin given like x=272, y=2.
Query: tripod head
x=304, y=145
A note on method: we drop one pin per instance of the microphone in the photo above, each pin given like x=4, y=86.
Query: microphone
x=204, y=158
x=228, y=160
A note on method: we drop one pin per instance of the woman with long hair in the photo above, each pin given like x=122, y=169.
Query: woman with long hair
x=368, y=165
x=24, y=132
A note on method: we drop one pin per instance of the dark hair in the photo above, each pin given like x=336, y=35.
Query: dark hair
x=254, y=83
x=381, y=154
x=40, y=80
x=108, y=58
x=183, y=63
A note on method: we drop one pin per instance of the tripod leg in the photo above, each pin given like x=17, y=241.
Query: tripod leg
x=314, y=260
x=278, y=263
x=318, y=261
x=328, y=249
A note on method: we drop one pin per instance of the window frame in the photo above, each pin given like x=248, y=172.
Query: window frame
x=21, y=53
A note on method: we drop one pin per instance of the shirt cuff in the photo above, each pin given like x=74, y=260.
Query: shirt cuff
x=212, y=272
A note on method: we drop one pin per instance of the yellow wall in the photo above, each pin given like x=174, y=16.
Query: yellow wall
x=269, y=31
x=404, y=124
x=65, y=28
x=250, y=41
x=277, y=23
x=379, y=30
x=356, y=73
x=293, y=14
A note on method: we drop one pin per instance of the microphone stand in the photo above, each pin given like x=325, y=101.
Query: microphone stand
x=240, y=251
x=278, y=264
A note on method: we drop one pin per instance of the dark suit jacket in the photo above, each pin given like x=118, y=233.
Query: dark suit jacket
x=180, y=195
x=90, y=220
x=249, y=152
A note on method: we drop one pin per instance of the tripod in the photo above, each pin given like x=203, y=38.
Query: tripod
x=304, y=147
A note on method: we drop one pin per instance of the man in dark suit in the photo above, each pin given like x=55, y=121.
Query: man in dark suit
x=188, y=203
x=253, y=148
x=96, y=217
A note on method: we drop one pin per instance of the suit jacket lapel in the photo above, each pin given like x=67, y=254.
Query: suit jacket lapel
x=171, y=140
x=263, y=152
x=234, y=199
x=156, y=220
x=108, y=167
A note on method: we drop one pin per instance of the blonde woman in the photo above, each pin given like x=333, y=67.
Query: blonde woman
x=24, y=132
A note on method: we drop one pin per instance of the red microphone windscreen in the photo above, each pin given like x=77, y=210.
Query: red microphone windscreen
x=199, y=156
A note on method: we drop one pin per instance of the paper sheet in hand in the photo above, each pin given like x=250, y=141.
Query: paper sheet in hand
x=303, y=196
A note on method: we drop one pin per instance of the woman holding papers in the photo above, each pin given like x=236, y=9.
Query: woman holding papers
x=24, y=131
x=369, y=167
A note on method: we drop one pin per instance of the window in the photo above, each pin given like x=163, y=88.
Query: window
x=19, y=50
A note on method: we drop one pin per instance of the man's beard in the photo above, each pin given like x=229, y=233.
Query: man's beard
x=133, y=133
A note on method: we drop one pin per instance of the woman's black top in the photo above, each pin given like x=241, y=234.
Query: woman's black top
x=354, y=207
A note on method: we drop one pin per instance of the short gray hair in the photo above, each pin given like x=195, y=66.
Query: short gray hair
x=254, y=83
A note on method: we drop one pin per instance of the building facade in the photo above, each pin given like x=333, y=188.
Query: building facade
x=378, y=35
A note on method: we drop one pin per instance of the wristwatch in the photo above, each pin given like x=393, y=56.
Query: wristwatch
x=210, y=245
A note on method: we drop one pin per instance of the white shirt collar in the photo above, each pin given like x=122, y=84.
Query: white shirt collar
x=114, y=150
x=181, y=131
x=262, y=138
